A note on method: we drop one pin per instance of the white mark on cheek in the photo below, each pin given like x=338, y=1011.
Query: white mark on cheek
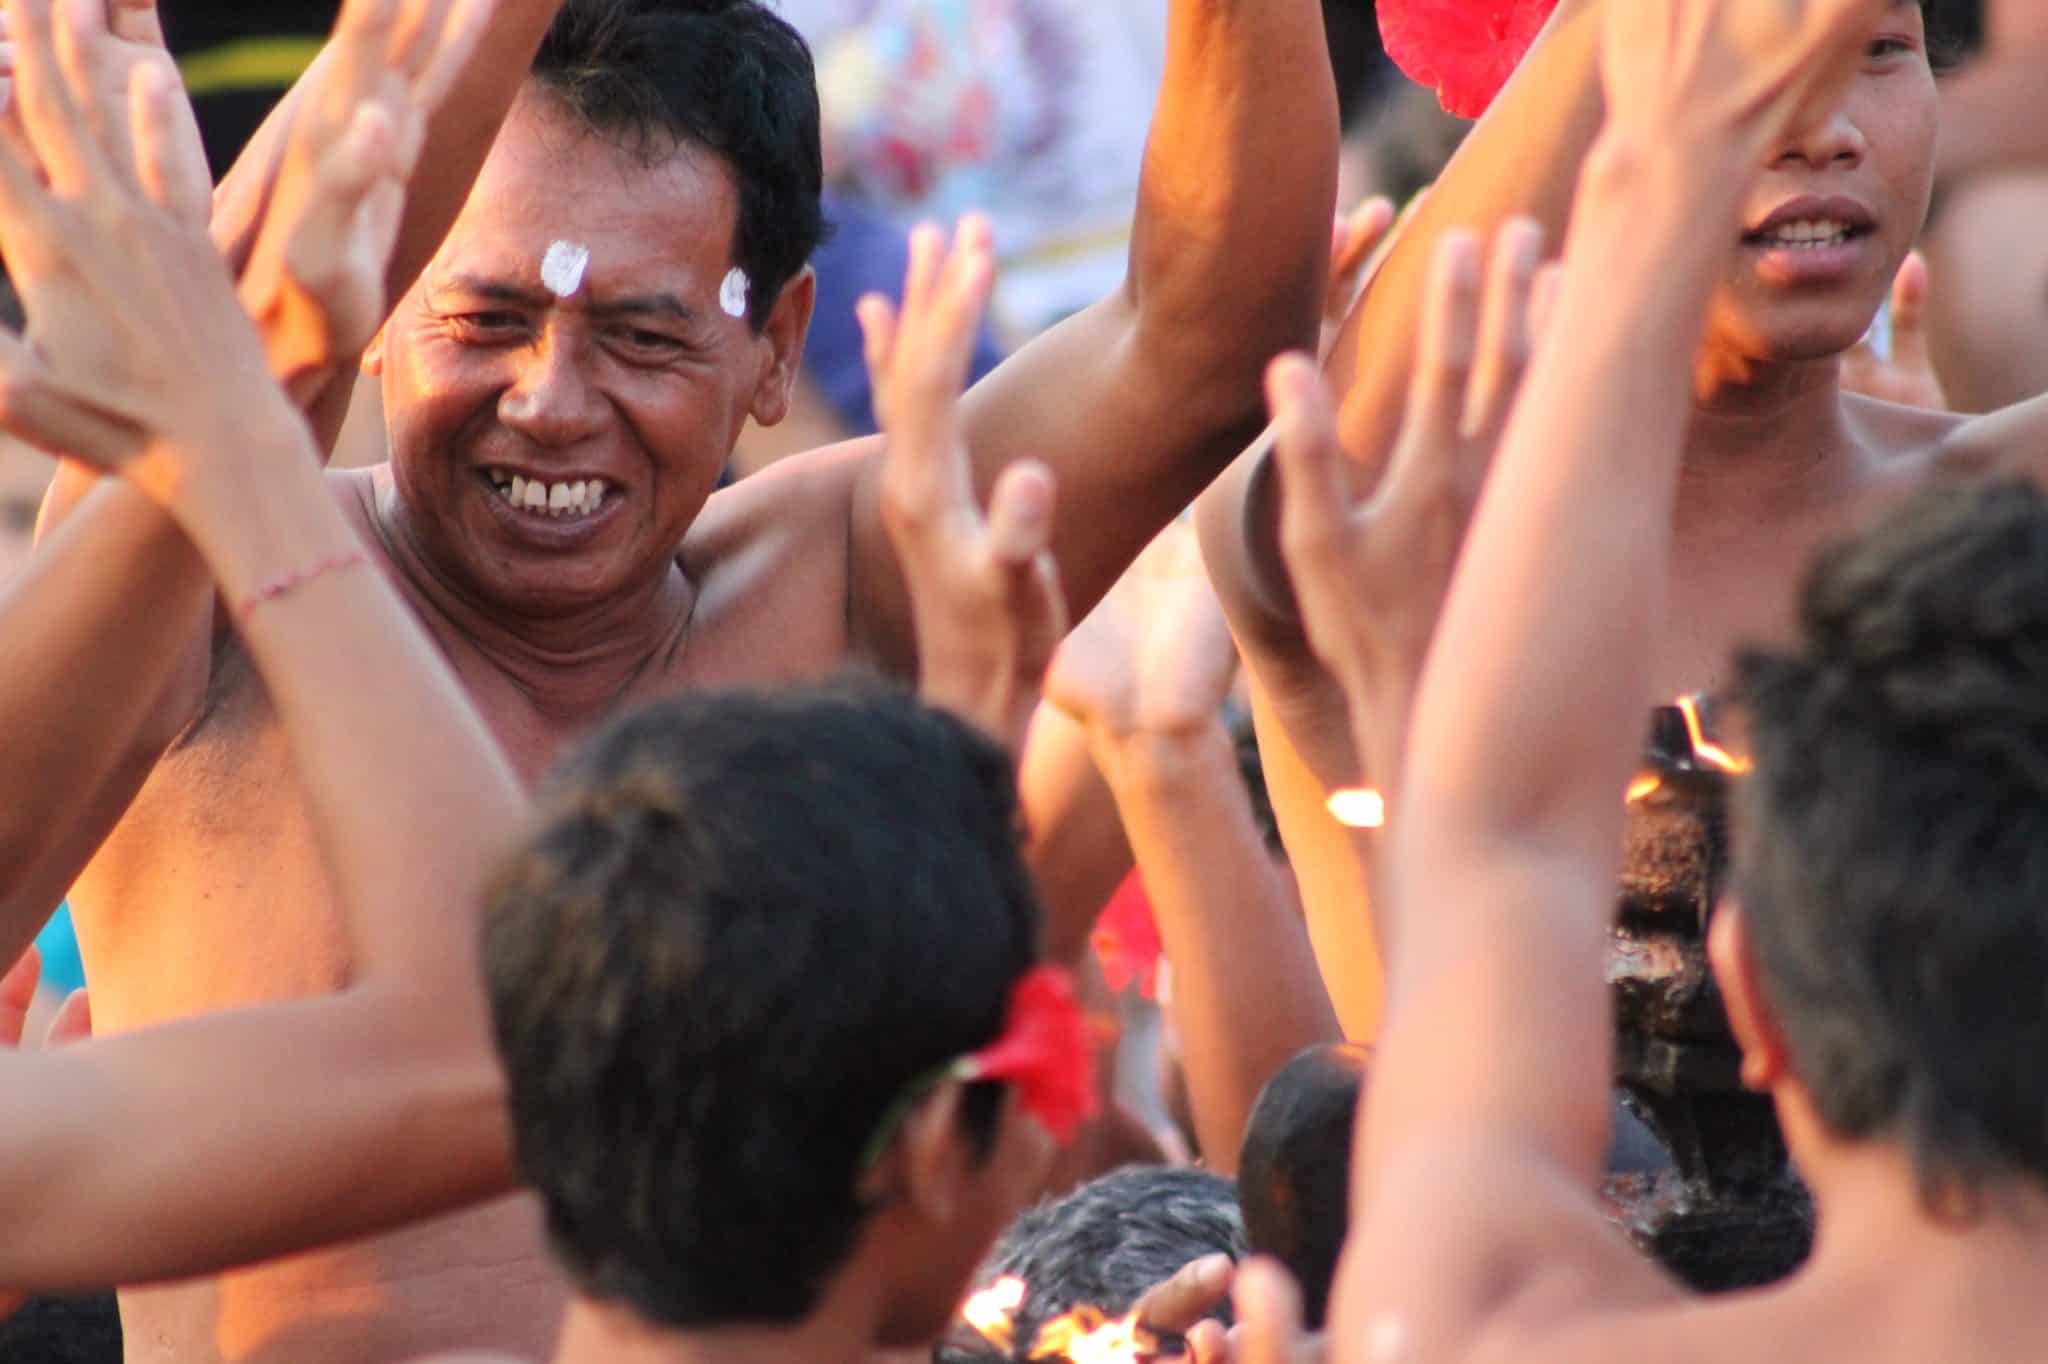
x=732, y=295
x=561, y=270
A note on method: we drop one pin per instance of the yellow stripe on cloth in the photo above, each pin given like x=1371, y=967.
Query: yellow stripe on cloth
x=248, y=64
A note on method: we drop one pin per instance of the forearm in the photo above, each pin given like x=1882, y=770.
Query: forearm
x=1521, y=160
x=410, y=797
x=239, y=1137
x=1230, y=246
x=1075, y=842
x=107, y=631
x=1246, y=995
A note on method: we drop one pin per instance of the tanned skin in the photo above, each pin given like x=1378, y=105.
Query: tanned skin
x=1778, y=459
x=1133, y=406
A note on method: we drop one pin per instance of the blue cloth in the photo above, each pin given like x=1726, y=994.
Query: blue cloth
x=867, y=254
x=63, y=971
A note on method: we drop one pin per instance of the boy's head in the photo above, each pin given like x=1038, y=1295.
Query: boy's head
x=1294, y=1171
x=1890, y=953
x=1102, y=1247
x=749, y=931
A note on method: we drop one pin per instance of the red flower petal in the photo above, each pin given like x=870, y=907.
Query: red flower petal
x=1126, y=939
x=1465, y=50
x=1045, y=1052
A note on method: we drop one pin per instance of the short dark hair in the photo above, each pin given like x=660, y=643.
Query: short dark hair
x=1294, y=1171
x=729, y=76
x=1892, y=851
x=1103, y=1246
x=748, y=925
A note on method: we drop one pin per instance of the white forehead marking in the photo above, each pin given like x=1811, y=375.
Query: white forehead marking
x=1386, y=1340
x=561, y=270
x=732, y=295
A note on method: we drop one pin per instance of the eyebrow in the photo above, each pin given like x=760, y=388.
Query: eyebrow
x=632, y=305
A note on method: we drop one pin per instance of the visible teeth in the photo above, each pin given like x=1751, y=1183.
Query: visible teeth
x=1809, y=232
x=580, y=498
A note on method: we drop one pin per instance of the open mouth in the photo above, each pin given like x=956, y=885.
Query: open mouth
x=1806, y=234
x=560, y=500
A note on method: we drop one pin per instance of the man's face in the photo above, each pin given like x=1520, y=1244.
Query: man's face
x=570, y=336
x=1836, y=209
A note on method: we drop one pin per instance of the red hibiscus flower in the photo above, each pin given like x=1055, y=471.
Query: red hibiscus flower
x=1045, y=1052
x=1465, y=50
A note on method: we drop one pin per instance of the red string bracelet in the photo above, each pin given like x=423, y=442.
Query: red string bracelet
x=298, y=578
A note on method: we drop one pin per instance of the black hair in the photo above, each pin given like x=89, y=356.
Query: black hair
x=1294, y=1171
x=1103, y=1246
x=1892, y=851
x=747, y=926
x=729, y=76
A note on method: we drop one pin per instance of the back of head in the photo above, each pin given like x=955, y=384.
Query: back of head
x=728, y=76
x=747, y=925
x=1294, y=1171
x=1893, y=849
x=1102, y=1246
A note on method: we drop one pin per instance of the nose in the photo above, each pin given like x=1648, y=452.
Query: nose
x=1827, y=139
x=551, y=400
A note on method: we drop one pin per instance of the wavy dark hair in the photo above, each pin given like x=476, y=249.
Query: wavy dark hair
x=1893, y=841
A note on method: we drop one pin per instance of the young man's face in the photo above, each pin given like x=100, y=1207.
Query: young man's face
x=571, y=334
x=1835, y=211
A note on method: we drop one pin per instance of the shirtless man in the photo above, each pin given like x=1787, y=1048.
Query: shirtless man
x=1884, y=955
x=1778, y=459
x=603, y=316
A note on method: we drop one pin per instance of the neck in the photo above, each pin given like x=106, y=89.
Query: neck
x=573, y=665
x=1764, y=438
x=1876, y=1230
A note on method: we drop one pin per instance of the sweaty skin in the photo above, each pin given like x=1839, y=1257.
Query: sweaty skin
x=1778, y=460
x=207, y=892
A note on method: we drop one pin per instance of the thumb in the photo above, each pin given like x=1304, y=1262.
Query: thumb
x=1268, y=1314
x=73, y=1022
x=1909, y=314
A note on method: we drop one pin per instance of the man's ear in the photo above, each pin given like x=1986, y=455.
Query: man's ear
x=931, y=1160
x=1729, y=948
x=373, y=355
x=782, y=343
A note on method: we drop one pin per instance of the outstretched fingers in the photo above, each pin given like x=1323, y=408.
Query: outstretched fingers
x=1020, y=525
x=54, y=123
x=1505, y=334
x=1316, y=513
x=169, y=161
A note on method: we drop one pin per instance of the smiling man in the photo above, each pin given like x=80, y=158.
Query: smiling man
x=1779, y=460
x=563, y=381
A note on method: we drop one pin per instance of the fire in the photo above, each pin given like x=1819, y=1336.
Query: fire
x=1086, y=1336
x=1705, y=749
x=990, y=1310
x=1357, y=807
x=1643, y=787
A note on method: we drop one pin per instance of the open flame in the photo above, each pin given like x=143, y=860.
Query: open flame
x=1643, y=787
x=1703, y=748
x=992, y=1310
x=1358, y=807
x=1087, y=1336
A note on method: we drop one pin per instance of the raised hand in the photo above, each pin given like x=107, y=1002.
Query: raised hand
x=984, y=590
x=124, y=291
x=1156, y=655
x=1904, y=373
x=315, y=274
x=1370, y=575
x=1716, y=68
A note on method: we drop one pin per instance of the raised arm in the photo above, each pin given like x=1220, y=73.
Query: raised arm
x=1508, y=831
x=278, y=1128
x=115, y=611
x=1139, y=401
x=1146, y=675
x=1521, y=160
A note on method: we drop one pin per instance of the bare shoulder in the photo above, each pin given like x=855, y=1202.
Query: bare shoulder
x=2011, y=441
x=770, y=559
